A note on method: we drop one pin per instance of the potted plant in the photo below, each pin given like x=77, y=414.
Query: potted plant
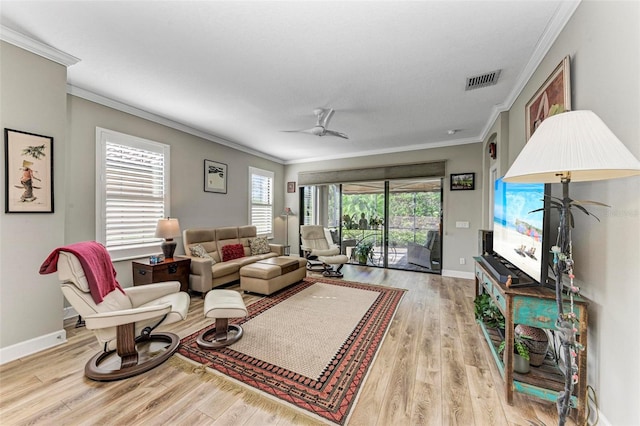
x=363, y=251
x=375, y=222
x=488, y=312
x=520, y=355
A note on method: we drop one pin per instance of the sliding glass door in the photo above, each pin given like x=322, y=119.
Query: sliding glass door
x=391, y=224
x=415, y=224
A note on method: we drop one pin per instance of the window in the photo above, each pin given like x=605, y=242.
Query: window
x=132, y=193
x=261, y=202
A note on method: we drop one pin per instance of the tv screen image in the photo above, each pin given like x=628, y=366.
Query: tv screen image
x=519, y=231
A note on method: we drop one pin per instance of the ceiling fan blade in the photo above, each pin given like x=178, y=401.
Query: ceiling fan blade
x=334, y=133
x=318, y=131
x=326, y=117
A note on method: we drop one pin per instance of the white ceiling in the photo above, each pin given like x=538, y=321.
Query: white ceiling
x=241, y=72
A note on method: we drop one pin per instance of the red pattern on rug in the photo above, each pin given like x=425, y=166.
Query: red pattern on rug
x=333, y=394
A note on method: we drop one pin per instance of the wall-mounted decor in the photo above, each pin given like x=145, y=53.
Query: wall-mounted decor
x=215, y=177
x=28, y=172
x=463, y=181
x=291, y=187
x=552, y=98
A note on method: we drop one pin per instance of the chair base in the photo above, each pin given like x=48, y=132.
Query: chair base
x=212, y=339
x=106, y=366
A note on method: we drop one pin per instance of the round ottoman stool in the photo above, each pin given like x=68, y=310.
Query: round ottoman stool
x=222, y=305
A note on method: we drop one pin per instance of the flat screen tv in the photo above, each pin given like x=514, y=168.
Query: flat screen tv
x=521, y=234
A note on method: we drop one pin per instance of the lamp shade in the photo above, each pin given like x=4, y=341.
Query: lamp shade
x=574, y=144
x=168, y=228
x=287, y=212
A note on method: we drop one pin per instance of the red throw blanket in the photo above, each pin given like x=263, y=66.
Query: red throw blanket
x=96, y=262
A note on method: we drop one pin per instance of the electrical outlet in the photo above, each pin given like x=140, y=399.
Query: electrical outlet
x=463, y=261
x=462, y=224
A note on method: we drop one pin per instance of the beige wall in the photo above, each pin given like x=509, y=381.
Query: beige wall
x=457, y=205
x=189, y=203
x=33, y=100
x=603, y=40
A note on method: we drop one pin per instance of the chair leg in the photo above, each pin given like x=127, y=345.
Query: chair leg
x=109, y=366
x=224, y=334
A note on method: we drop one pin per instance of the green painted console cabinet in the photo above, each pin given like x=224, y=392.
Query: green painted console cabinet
x=534, y=306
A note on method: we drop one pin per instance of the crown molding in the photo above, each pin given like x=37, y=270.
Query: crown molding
x=39, y=48
x=120, y=106
x=429, y=145
x=563, y=13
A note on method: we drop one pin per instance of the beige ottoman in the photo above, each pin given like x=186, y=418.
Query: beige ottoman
x=270, y=275
x=222, y=305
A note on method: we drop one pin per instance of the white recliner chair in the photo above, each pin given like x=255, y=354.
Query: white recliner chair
x=322, y=255
x=123, y=321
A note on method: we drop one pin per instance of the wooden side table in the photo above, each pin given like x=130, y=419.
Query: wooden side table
x=169, y=270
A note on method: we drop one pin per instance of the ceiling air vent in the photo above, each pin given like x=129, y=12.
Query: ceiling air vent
x=484, y=80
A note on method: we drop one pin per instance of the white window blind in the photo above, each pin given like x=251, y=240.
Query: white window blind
x=261, y=203
x=133, y=180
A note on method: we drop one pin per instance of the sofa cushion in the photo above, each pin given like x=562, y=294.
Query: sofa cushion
x=259, y=245
x=232, y=251
x=199, y=251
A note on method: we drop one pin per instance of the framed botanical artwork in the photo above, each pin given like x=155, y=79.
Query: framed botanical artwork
x=215, y=177
x=28, y=172
x=463, y=181
x=553, y=97
x=291, y=187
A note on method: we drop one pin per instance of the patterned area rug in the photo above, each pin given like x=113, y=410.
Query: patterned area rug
x=310, y=345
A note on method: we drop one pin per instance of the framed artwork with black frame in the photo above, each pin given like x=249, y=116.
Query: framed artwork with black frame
x=463, y=181
x=28, y=165
x=215, y=177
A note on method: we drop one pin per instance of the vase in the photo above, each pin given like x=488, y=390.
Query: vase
x=536, y=340
x=520, y=365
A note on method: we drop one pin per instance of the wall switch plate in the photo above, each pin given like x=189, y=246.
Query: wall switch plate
x=464, y=224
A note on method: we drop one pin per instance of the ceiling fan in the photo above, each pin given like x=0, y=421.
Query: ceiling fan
x=320, y=129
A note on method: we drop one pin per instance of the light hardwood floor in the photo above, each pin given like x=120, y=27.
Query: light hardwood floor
x=433, y=368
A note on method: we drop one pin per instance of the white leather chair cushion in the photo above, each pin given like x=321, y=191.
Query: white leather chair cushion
x=70, y=269
x=224, y=304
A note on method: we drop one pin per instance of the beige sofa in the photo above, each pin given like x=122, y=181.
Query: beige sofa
x=203, y=275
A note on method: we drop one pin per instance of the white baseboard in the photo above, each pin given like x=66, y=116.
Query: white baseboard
x=458, y=274
x=28, y=347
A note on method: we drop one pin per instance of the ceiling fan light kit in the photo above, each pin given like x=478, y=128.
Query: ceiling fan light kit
x=320, y=129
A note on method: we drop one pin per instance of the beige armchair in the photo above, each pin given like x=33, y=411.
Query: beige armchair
x=320, y=253
x=123, y=322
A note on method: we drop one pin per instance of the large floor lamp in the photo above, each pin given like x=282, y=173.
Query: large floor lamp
x=286, y=213
x=572, y=146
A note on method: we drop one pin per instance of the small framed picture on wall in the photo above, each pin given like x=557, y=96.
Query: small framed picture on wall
x=291, y=187
x=463, y=181
x=215, y=177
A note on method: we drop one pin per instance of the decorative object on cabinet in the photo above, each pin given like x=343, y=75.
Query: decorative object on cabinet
x=463, y=181
x=522, y=359
x=553, y=97
x=573, y=146
x=168, y=229
x=536, y=341
x=215, y=177
x=28, y=165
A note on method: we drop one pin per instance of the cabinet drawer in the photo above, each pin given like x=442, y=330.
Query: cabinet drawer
x=499, y=298
x=542, y=314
